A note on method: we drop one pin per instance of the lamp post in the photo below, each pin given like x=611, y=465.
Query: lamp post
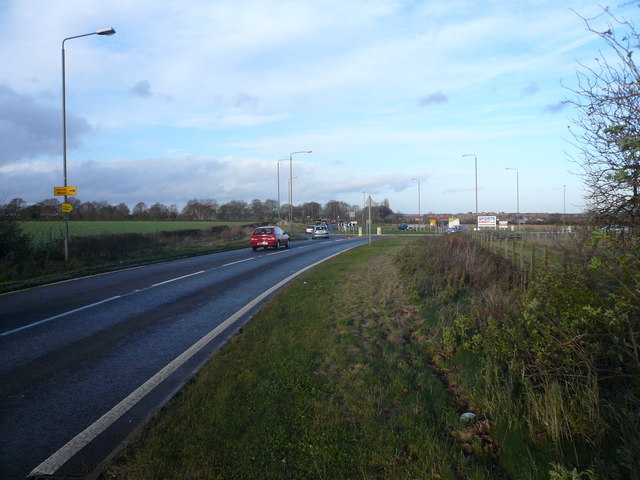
x=419, y=217
x=291, y=189
x=564, y=204
x=369, y=221
x=278, y=176
x=102, y=31
x=475, y=158
x=517, y=195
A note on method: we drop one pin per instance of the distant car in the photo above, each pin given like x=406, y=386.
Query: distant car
x=310, y=228
x=270, y=236
x=402, y=226
x=457, y=228
x=320, y=231
x=615, y=228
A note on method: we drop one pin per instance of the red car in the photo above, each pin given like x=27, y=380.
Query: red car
x=269, y=237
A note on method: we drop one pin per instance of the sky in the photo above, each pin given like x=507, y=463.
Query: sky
x=199, y=99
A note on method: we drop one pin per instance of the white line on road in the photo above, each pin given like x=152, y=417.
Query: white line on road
x=58, y=316
x=177, y=278
x=278, y=252
x=58, y=459
x=239, y=261
x=9, y=332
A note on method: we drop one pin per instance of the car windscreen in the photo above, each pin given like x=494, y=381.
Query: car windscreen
x=263, y=231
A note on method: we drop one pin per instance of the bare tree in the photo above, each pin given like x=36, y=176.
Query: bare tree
x=200, y=210
x=140, y=211
x=607, y=131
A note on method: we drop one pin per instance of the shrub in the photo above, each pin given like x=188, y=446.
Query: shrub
x=561, y=355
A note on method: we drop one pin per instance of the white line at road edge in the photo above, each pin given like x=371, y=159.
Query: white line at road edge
x=58, y=459
x=58, y=316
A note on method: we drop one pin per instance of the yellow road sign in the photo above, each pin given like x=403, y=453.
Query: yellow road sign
x=60, y=191
x=66, y=207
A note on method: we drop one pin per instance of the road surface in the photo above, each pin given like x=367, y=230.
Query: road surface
x=85, y=362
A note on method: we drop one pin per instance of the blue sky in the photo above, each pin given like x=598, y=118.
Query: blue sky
x=199, y=99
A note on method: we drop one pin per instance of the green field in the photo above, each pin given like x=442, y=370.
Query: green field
x=43, y=232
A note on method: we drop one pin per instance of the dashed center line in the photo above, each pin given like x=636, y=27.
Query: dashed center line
x=177, y=278
x=58, y=316
x=239, y=261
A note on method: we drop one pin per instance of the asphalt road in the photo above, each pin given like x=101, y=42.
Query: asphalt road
x=85, y=362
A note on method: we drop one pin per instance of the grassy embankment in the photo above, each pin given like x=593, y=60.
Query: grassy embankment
x=332, y=379
x=552, y=359
x=360, y=369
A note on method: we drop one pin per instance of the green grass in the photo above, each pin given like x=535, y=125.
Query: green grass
x=43, y=232
x=330, y=381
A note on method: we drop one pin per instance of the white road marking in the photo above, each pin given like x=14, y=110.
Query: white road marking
x=58, y=316
x=177, y=278
x=64, y=454
x=277, y=252
x=239, y=261
x=40, y=322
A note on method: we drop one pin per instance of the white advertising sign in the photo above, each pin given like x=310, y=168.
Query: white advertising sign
x=487, y=221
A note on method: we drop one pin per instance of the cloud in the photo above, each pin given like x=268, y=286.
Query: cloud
x=29, y=129
x=530, y=90
x=142, y=89
x=244, y=100
x=434, y=98
x=555, y=108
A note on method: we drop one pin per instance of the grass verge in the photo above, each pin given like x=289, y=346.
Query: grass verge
x=329, y=380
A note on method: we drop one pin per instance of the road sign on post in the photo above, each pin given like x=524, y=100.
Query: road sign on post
x=66, y=207
x=62, y=191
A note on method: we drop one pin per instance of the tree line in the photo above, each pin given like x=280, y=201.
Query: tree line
x=198, y=210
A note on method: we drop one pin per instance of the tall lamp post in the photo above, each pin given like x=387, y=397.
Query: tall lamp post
x=278, y=177
x=564, y=204
x=475, y=158
x=102, y=31
x=517, y=195
x=419, y=217
x=291, y=189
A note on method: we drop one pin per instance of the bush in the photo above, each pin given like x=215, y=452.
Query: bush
x=15, y=246
x=560, y=356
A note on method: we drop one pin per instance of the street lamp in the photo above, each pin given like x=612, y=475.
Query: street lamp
x=419, y=218
x=102, y=31
x=517, y=195
x=564, y=204
x=475, y=157
x=291, y=189
x=278, y=176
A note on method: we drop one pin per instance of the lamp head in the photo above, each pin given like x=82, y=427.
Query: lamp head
x=106, y=31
